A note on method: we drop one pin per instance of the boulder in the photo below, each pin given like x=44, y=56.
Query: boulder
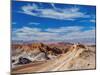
x=23, y=60
x=56, y=50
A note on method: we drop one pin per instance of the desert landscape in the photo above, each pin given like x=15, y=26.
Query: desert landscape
x=49, y=37
x=40, y=57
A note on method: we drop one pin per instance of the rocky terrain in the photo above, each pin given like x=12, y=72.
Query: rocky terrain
x=40, y=57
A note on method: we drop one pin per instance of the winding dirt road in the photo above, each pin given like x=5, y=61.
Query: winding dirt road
x=49, y=65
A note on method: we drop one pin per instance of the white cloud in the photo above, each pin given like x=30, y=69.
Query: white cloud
x=55, y=13
x=93, y=20
x=14, y=23
x=62, y=33
x=33, y=23
x=53, y=6
x=27, y=9
x=27, y=33
x=81, y=34
x=65, y=29
x=27, y=30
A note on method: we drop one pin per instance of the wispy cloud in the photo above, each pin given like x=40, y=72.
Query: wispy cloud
x=33, y=23
x=93, y=20
x=62, y=33
x=33, y=29
x=55, y=12
x=14, y=23
x=53, y=5
x=65, y=29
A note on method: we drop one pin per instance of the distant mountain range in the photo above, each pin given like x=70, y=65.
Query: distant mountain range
x=83, y=41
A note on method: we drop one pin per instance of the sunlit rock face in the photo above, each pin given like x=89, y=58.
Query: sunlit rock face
x=23, y=54
x=64, y=56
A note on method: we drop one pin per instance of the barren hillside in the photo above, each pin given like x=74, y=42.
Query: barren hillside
x=39, y=57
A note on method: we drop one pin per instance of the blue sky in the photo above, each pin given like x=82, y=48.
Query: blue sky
x=52, y=21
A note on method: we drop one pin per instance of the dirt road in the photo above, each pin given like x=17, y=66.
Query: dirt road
x=50, y=65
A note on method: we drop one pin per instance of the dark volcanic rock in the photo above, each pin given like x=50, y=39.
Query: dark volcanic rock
x=56, y=50
x=13, y=61
x=23, y=60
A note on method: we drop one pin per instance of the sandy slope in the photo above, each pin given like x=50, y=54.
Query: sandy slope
x=72, y=60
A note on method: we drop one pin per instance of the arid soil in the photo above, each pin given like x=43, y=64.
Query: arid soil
x=53, y=57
